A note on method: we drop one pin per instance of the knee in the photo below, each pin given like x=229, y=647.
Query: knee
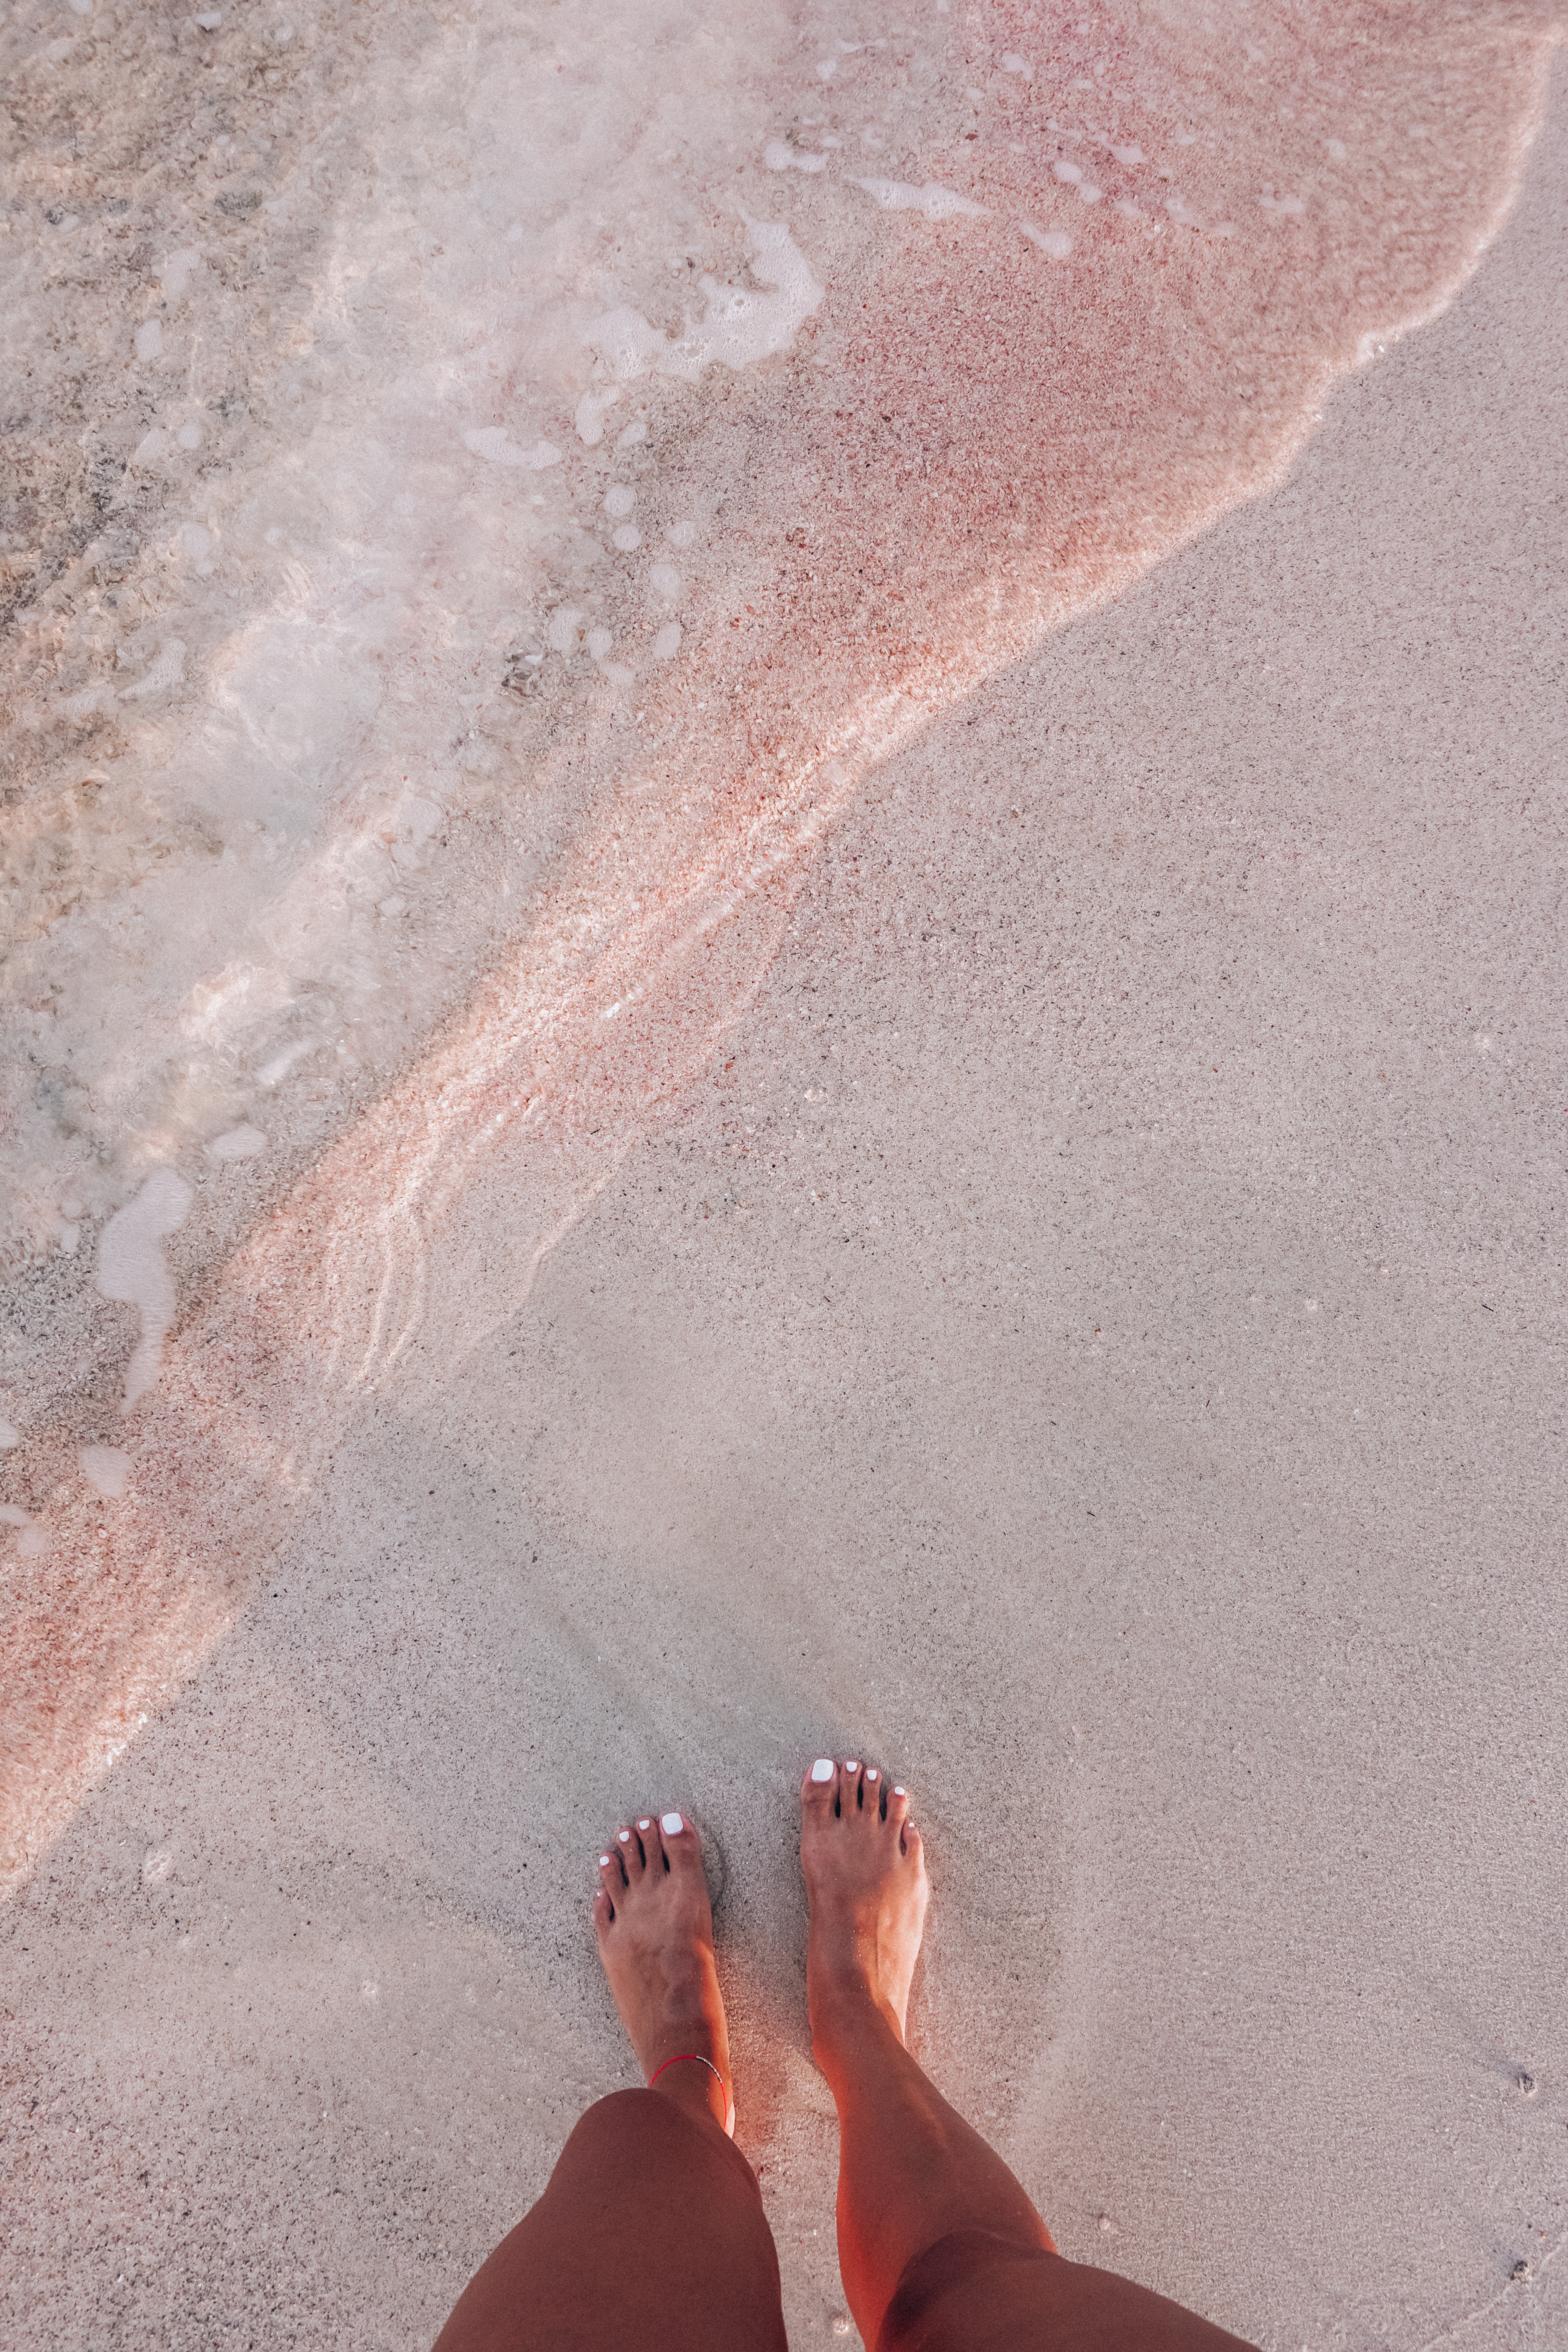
x=641, y=2149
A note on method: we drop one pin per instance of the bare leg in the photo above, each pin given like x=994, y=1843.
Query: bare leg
x=938, y=2245
x=650, y=2232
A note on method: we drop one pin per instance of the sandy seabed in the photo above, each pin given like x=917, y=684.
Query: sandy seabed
x=1084, y=1327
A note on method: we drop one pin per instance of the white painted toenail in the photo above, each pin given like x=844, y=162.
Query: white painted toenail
x=851, y=1765
x=671, y=1824
x=604, y=1862
x=897, y=1790
x=870, y=1772
x=822, y=1769
x=625, y=1837
x=645, y=1825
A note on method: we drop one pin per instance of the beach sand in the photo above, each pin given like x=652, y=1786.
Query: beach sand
x=1091, y=1340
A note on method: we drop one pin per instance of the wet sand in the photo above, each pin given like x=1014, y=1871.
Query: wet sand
x=1091, y=1340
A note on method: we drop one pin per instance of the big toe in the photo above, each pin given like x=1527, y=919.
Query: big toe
x=819, y=1789
x=678, y=1842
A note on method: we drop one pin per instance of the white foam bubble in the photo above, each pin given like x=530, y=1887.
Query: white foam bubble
x=31, y=1541
x=668, y=642
x=560, y=630
x=1013, y=64
x=107, y=1469
x=167, y=671
x=599, y=642
x=93, y=702
x=1054, y=241
x=741, y=325
x=131, y=1267
x=174, y=275
x=496, y=444
x=1128, y=154
x=590, y=416
x=681, y=535
x=779, y=156
x=618, y=500
x=1072, y=173
x=148, y=339
x=626, y=538
x=636, y=431
x=665, y=580
x=936, y=203
x=239, y=1143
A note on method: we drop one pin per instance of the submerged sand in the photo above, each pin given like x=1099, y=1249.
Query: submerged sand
x=1092, y=1342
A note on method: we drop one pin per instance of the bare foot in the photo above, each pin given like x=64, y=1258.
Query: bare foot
x=866, y=1885
x=655, y=1940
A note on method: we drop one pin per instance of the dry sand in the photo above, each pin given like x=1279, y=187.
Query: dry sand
x=1094, y=1345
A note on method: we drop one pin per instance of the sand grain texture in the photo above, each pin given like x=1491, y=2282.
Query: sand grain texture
x=1093, y=1340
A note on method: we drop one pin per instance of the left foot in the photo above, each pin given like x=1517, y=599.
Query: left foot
x=655, y=1940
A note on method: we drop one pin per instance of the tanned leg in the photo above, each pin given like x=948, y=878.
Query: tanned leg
x=651, y=2232
x=921, y=2198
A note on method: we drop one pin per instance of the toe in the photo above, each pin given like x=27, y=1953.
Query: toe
x=897, y=1805
x=850, y=1788
x=873, y=1788
x=682, y=1848
x=819, y=1789
x=629, y=1852
x=612, y=1882
x=604, y=1913
x=646, y=1842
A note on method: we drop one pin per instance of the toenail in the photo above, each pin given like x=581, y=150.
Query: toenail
x=851, y=1765
x=822, y=1769
x=870, y=1772
x=625, y=1837
x=897, y=1790
x=645, y=1825
x=671, y=1824
x=604, y=1862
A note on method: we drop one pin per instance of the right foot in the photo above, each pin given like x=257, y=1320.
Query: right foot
x=655, y=1940
x=866, y=1885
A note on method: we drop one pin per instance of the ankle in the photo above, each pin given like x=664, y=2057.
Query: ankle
x=847, y=2016
x=699, y=2089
